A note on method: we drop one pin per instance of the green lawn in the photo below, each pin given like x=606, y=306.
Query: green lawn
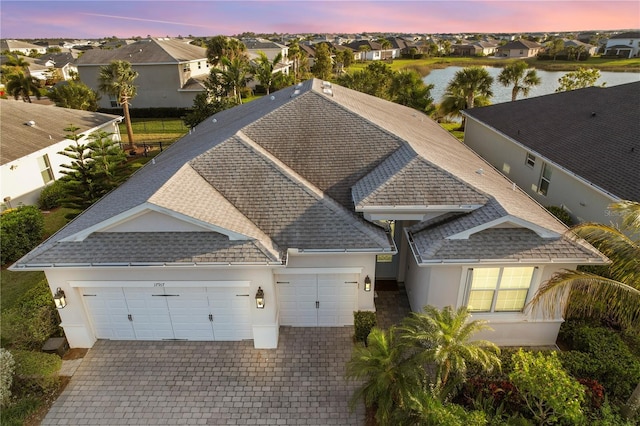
x=166, y=131
x=454, y=129
x=14, y=284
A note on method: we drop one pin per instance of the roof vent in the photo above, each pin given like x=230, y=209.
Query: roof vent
x=326, y=84
x=593, y=114
x=30, y=123
x=272, y=97
x=327, y=91
x=480, y=171
x=295, y=93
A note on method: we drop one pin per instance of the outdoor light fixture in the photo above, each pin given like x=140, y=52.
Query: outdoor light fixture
x=260, y=298
x=367, y=283
x=60, y=299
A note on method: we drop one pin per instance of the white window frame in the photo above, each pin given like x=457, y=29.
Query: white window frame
x=544, y=179
x=530, y=160
x=497, y=291
x=45, y=168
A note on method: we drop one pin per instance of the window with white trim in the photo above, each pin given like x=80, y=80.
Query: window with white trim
x=498, y=289
x=531, y=160
x=545, y=179
x=45, y=168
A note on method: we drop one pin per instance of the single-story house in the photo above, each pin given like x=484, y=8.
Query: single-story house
x=21, y=46
x=519, y=49
x=171, y=72
x=31, y=136
x=286, y=210
x=578, y=149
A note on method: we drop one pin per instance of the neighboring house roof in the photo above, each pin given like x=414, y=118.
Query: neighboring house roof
x=630, y=34
x=20, y=138
x=291, y=171
x=258, y=44
x=521, y=44
x=7, y=44
x=356, y=45
x=591, y=132
x=146, y=51
x=59, y=59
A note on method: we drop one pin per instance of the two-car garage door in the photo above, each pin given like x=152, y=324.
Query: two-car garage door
x=159, y=313
x=317, y=300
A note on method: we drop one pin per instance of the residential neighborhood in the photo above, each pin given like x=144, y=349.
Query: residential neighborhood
x=322, y=242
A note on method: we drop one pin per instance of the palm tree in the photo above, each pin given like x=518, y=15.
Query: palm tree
x=116, y=79
x=474, y=82
x=443, y=337
x=18, y=63
x=518, y=76
x=388, y=377
x=232, y=77
x=263, y=69
x=21, y=85
x=455, y=100
x=615, y=292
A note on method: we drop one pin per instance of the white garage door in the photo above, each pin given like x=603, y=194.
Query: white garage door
x=317, y=300
x=152, y=313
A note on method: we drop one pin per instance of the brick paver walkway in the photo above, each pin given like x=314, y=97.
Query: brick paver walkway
x=213, y=383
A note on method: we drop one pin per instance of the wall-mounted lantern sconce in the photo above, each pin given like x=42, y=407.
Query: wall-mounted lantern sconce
x=60, y=299
x=260, y=298
x=367, y=283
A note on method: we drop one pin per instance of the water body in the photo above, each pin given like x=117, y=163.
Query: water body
x=548, y=82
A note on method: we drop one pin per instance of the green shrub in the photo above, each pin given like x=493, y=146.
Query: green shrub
x=21, y=230
x=7, y=365
x=36, y=373
x=32, y=320
x=363, y=322
x=601, y=354
x=561, y=214
x=551, y=395
x=51, y=195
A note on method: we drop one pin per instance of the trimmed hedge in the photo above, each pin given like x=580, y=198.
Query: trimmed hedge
x=21, y=230
x=363, y=322
x=149, y=112
x=561, y=214
x=36, y=373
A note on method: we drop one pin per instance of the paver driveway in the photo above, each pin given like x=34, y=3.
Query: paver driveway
x=213, y=383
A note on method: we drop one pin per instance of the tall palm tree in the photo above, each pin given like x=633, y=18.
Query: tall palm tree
x=387, y=377
x=444, y=337
x=232, y=77
x=116, y=79
x=615, y=292
x=18, y=63
x=474, y=82
x=21, y=85
x=263, y=69
x=520, y=77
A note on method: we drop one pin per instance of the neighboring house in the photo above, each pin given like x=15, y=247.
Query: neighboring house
x=475, y=48
x=21, y=46
x=63, y=62
x=519, y=49
x=577, y=44
x=578, y=149
x=626, y=45
x=274, y=213
x=31, y=136
x=310, y=51
x=271, y=49
x=171, y=72
x=367, y=50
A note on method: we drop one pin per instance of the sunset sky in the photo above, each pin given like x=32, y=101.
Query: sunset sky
x=95, y=19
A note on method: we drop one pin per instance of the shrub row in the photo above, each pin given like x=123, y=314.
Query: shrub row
x=21, y=230
x=149, y=112
x=363, y=322
x=51, y=195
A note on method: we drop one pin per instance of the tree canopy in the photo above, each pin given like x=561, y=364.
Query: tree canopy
x=75, y=95
x=116, y=79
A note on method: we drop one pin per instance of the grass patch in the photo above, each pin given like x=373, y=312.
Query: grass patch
x=16, y=413
x=55, y=220
x=454, y=129
x=15, y=284
x=154, y=130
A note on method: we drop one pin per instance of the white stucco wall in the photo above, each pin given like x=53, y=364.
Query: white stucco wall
x=21, y=179
x=444, y=285
x=582, y=200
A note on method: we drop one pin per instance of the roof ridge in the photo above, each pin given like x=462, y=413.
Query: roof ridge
x=306, y=185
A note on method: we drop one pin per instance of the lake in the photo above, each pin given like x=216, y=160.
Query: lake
x=548, y=82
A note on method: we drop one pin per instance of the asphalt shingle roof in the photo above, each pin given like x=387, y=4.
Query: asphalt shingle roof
x=19, y=139
x=592, y=132
x=146, y=51
x=279, y=171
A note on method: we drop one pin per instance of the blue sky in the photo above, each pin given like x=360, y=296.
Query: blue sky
x=94, y=19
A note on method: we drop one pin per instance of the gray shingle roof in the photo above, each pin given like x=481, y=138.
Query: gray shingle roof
x=18, y=139
x=279, y=172
x=147, y=51
x=592, y=132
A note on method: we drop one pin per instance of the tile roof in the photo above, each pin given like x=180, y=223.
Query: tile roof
x=18, y=139
x=146, y=51
x=591, y=132
x=279, y=172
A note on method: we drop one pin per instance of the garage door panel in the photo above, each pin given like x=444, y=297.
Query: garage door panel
x=190, y=314
x=231, y=313
x=109, y=313
x=150, y=313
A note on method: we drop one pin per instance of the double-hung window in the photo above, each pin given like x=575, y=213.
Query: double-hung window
x=499, y=289
x=545, y=179
x=45, y=168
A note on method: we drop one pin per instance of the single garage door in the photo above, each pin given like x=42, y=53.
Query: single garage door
x=317, y=300
x=161, y=313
